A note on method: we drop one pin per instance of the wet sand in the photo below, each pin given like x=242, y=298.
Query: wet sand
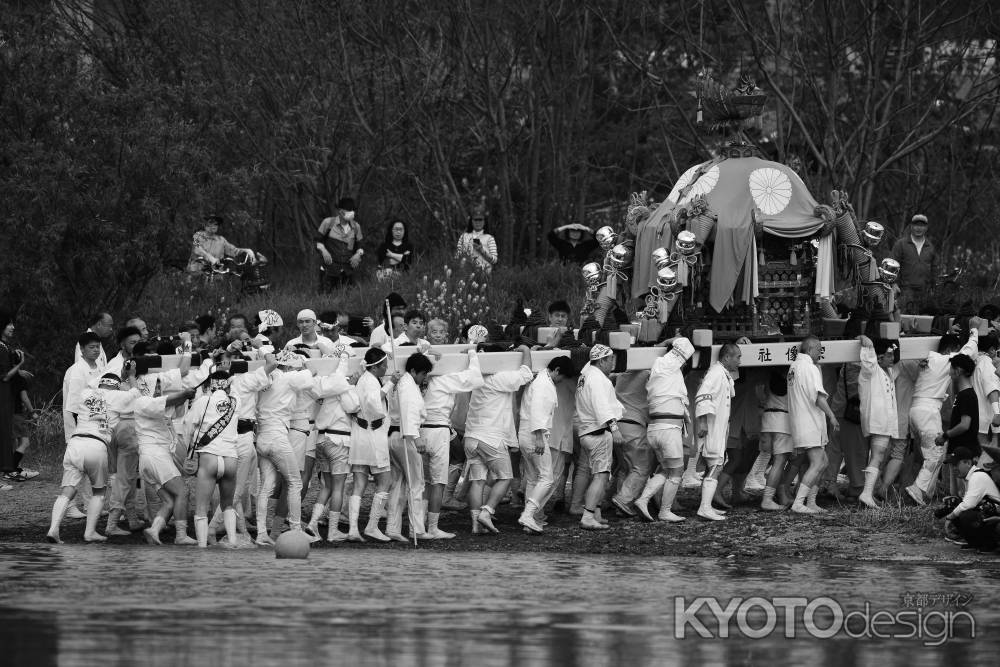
x=845, y=532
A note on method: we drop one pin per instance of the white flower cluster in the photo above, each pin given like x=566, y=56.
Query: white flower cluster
x=456, y=300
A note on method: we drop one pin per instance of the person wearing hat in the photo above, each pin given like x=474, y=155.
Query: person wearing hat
x=209, y=247
x=575, y=243
x=668, y=418
x=917, y=258
x=338, y=241
x=597, y=413
x=970, y=518
x=936, y=378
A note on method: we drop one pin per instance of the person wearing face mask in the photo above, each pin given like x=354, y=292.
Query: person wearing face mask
x=338, y=241
x=476, y=245
x=396, y=252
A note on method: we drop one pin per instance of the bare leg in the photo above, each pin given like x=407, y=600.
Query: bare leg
x=773, y=484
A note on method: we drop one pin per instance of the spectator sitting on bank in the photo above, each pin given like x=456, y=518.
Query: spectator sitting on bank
x=338, y=241
x=396, y=251
x=209, y=247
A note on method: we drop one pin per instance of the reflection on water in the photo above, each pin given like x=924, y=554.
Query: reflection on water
x=77, y=605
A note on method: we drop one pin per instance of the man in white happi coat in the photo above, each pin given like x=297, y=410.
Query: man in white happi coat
x=333, y=425
x=302, y=425
x=986, y=384
x=489, y=431
x=809, y=413
x=245, y=387
x=439, y=401
x=87, y=453
x=877, y=392
x=370, y=446
x=597, y=413
x=406, y=446
x=538, y=405
x=929, y=392
x=123, y=484
x=712, y=408
x=668, y=419
x=275, y=455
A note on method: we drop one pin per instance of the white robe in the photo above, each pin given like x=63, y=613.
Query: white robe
x=805, y=386
x=877, y=392
x=714, y=401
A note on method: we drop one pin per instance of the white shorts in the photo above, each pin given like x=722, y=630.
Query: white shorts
x=85, y=457
x=482, y=458
x=156, y=466
x=777, y=443
x=713, y=448
x=597, y=447
x=878, y=441
x=332, y=453
x=436, y=454
x=667, y=443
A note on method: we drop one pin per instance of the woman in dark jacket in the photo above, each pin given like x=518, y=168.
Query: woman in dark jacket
x=396, y=252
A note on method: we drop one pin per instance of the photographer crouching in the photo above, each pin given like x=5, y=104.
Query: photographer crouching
x=976, y=517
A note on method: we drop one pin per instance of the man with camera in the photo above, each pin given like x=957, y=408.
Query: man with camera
x=975, y=518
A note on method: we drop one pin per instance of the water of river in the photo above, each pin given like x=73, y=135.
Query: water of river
x=107, y=605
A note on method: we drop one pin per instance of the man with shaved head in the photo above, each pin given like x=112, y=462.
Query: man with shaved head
x=810, y=414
